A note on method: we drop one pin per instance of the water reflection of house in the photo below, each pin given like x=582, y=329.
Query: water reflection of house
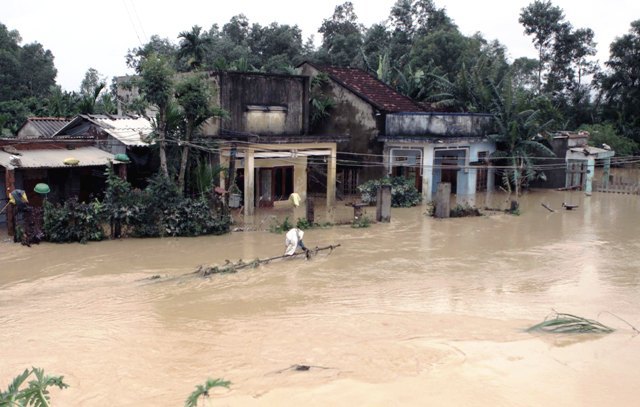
x=389, y=133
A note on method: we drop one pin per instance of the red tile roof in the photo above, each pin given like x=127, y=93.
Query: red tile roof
x=372, y=90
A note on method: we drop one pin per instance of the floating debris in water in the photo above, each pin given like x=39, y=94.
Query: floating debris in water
x=560, y=323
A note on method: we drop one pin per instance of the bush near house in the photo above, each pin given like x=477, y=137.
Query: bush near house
x=159, y=210
x=403, y=191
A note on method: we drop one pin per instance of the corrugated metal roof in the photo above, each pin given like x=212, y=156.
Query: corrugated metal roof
x=45, y=126
x=129, y=130
x=54, y=158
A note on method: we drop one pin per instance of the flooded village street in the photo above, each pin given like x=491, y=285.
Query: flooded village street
x=415, y=312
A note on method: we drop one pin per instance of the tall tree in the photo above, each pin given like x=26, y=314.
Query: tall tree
x=156, y=87
x=341, y=36
x=542, y=20
x=517, y=136
x=621, y=83
x=194, y=46
x=194, y=95
x=156, y=45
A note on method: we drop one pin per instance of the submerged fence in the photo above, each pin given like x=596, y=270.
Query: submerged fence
x=620, y=181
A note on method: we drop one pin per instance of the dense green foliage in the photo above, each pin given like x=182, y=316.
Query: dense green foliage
x=73, y=221
x=36, y=391
x=158, y=210
x=28, y=86
x=404, y=194
x=602, y=135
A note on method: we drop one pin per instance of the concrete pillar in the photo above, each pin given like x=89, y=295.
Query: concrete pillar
x=300, y=178
x=224, y=163
x=491, y=178
x=300, y=187
x=591, y=167
x=427, y=173
x=249, y=182
x=383, y=204
x=386, y=159
x=443, y=200
x=606, y=173
x=331, y=178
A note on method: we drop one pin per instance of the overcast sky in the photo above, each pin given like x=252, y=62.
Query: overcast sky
x=85, y=34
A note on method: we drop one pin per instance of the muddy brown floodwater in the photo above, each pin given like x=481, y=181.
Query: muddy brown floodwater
x=415, y=312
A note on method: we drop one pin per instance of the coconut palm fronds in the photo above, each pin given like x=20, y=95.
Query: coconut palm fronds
x=560, y=323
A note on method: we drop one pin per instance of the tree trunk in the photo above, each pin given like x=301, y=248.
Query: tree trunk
x=539, y=69
x=184, y=159
x=162, y=125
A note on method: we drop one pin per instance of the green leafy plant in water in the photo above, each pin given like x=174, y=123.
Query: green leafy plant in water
x=560, y=323
x=202, y=391
x=361, y=222
x=36, y=392
x=304, y=224
x=404, y=194
x=73, y=221
x=280, y=227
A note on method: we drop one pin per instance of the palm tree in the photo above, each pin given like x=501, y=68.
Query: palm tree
x=518, y=137
x=194, y=46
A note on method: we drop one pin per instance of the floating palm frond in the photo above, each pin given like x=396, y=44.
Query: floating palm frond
x=560, y=323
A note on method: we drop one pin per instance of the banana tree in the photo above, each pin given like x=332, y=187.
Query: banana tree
x=518, y=137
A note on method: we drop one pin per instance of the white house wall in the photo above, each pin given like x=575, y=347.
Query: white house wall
x=467, y=176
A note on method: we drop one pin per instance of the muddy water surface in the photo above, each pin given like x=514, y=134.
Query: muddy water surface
x=416, y=312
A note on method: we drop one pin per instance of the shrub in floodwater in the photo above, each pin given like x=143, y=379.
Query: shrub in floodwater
x=404, y=194
x=566, y=323
x=460, y=211
x=361, y=222
x=36, y=392
x=280, y=227
x=202, y=390
x=73, y=221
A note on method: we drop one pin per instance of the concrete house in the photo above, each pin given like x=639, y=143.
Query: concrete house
x=264, y=141
x=362, y=103
x=441, y=147
x=266, y=138
x=389, y=133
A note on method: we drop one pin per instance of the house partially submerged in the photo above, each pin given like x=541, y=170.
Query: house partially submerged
x=389, y=133
x=70, y=168
x=264, y=142
x=573, y=166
